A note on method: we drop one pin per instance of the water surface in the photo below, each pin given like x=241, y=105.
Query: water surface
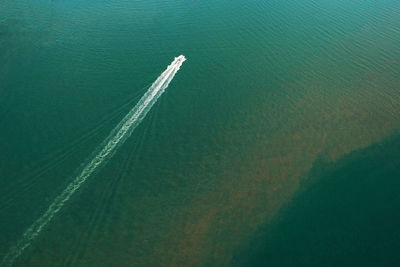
x=268, y=89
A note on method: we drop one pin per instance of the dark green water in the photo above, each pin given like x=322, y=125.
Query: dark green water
x=346, y=216
x=269, y=88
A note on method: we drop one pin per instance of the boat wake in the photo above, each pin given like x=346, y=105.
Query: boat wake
x=104, y=152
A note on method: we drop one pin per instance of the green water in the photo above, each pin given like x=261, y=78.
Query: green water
x=346, y=216
x=269, y=89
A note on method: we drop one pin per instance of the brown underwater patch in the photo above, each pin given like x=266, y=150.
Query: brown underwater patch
x=325, y=120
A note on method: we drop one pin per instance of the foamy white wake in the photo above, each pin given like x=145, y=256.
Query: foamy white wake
x=120, y=133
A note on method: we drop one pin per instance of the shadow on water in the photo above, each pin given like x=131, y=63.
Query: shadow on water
x=346, y=214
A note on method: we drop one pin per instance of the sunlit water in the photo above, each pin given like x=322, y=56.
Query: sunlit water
x=270, y=90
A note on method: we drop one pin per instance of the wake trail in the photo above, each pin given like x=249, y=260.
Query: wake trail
x=104, y=152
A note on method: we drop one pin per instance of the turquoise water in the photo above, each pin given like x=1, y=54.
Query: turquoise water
x=269, y=88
